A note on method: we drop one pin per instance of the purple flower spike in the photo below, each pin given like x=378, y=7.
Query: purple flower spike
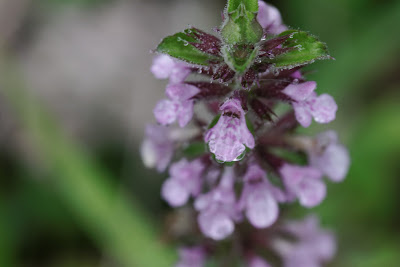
x=256, y=261
x=270, y=18
x=314, y=246
x=308, y=105
x=157, y=148
x=191, y=257
x=165, y=67
x=179, y=106
x=260, y=198
x=217, y=209
x=185, y=180
x=228, y=139
x=330, y=157
x=304, y=183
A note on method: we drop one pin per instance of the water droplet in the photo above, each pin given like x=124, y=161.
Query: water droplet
x=275, y=72
x=240, y=157
x=219, y=161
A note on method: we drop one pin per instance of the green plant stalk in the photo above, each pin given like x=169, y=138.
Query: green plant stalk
x=114, y=221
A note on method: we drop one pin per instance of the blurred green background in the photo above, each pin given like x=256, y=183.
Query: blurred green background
x=76, y=92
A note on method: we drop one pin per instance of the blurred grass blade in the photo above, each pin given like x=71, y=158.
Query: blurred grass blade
x=119, y=226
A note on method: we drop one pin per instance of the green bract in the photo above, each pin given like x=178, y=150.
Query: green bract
x=251, y=5
x=178, y=46
x=241, y=25
x=240, y=58
x=307, y=49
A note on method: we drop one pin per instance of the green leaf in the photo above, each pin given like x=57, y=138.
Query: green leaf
x=195, y=149
x=214, y=121
x=178, y=46
x=290, y=156
x=307, y=49
x=250, y=125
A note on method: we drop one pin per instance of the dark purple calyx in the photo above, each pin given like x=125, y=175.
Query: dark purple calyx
x=210, y=90
x=206, y=43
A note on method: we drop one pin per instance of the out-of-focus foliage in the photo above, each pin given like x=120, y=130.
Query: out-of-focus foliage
x=59, y=209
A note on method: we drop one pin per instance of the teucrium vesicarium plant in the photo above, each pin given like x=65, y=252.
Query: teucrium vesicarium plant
x=244, y=159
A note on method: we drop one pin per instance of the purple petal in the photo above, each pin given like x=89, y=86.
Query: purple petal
x=191, y=257
x=305, y=183
x=311, y=192
x=258, y=199
x=334, y=162
x=246, y=136
x=324, y=108
x=313, y=245
x=185, y=113
x=325, y=246
x=301, y=257
x=326, y=138
x=329, y=156
x=203, y=201
x=254, y=173
x=215, y=224
x=262, y=209
x=303, y=229
x=181, y=91
x=293, y=174
x=162, y=66
x=256, y=261
x=156, y=155
x=179, y=73
x=297, y=75
x=227, y=139
x=174, y=192
x=302, y=114
x=233, y=105
x=300, y=92
x=180, y=169
x=165, y=111
x=227, y=179
x=226, y=149
x=165, y=66
x=188, y=174
x=270, y=18
x=222, y=195
x=157, y=148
